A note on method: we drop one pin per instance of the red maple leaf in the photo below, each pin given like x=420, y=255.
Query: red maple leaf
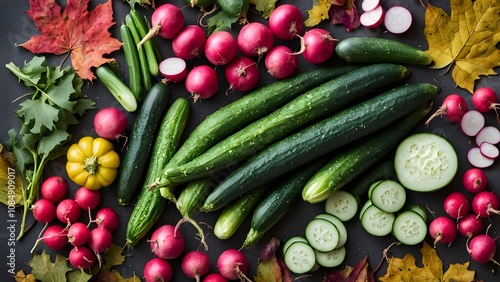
x=82, y=33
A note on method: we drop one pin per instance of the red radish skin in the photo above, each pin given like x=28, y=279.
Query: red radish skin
x=484, y=204
x=470, y=225
x=474, y=180
x=369, y=5
x=78, y=234
x=482, y=248
x=166, y=242
x=488, y=134
x=55, y=237
x=233, y=265
x=472, y=122
x=485, y=99
x=281, y=63
x=202, y=82
x=68, y=211
x=157, y=269
x=456, y=205
x=242, y=74
x=286, y=22
x=82, y=257
x=87, y=199
x=215, y=277
x=477, y=159
x=189, y=43
x=174, y=69
x=44, y=211
x=318, y=46
x=373, y=18
x=453, y=108
x=110, y=123
x=167, y=20
x=443, y=230
x=195, y=264
x=100, y=240
x=397, y=19
x=221, y=48
x=107, y=218
x=54, y=189
x=255, y=39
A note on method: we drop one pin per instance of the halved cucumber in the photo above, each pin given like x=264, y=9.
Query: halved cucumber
x=388, y=195
x=341, y=228
x=425, y=162
x=300, y=257
x=409, y=228
x=376, y=221
x=322, y=235
x=342, y=204
x=331, y=259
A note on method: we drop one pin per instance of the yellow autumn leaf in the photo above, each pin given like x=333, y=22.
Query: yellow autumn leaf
x=318, y=12
x=264, y=6
x=466, y=38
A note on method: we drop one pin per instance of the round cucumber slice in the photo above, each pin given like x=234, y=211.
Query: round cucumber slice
x=425, y=162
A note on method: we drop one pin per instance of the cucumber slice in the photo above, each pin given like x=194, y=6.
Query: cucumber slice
x=341, y=228
x=419, y=210
x=409, y=228
x=366, y=205
x=376, y=221
x=389, y=196
x=370, y=189
x=322, y=235
x=331, y=259
x=342, y=204
x=300, y=257
x=425, y=162
x=292, y=240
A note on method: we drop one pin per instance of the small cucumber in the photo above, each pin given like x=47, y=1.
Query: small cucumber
x=132, y=59
x=380, y=50
x=117, y=88
x=193, y=195
x=146, y=77
x=142, y=29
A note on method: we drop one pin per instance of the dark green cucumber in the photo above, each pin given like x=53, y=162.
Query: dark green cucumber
x=140, y=141
x=378, y=171
x=318, y=102
x=132, y=60
x=143, y=29
x=355, y=160
x=279, y=200
x=147, y=80
x=150, y=204
x=319, y=138
x=380, y=50
x=193, y=195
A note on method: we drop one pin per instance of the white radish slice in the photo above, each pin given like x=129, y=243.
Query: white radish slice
x=174, y=69
x=472, y=122
x=369, y=5
x=373, y=18
x=397, y=19
x=489, y=150
x=477, y=159
x=488, y=134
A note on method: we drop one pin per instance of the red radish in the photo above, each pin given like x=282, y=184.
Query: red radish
x=470, y=225
x=472, y=122
x=453, y=108
x=372, y=18
x=78, y=234
x=107, y=218
x=44, y=211
x=221, y=48
x=477, y=159
x=485, y=99
x=157, y=269
x=202, y=82
x=456, y=205
x=488, y=134
x=166, y=242
x=397, y=19
x=55, y=237
x=482, y=248
x=215, y=277
x=255, y=39
x=242, y=74
x=318, y=46
x=195, y=264
x=174, y=69
x=54, y=189
x=474, y=180
x=68, y=211
x=369, y=5
x=286, y=22
x=189, y=43
x=281, y=62
x=82, y=257
x=443, y=230
x=87, y=199
x=233, y=264
x=484, y=204
x=100, y=240
x=110, y=123
x=489, y=150
x=167, y=21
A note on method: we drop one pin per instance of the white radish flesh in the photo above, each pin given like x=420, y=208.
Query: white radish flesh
x=372, y=18
x=174, y=69
x=397, y=19
x=472, y=122
x=489, y=150
x=477, y=159
x=369, y=5
x=488, y=134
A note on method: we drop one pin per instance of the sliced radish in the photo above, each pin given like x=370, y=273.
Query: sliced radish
x=369, y=5
x=174, y=69
x=477, y=159
x=472, y=122
x=397, y=19
x=372, y=18
x=489, y=150
x=488, y=134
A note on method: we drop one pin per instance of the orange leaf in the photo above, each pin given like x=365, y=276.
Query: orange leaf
x=82, y=33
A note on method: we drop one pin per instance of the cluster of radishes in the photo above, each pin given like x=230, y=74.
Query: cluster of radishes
x=397, y=19
x=167, y=243
x=65, y=224
x=466, y=216
x=240, y=54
